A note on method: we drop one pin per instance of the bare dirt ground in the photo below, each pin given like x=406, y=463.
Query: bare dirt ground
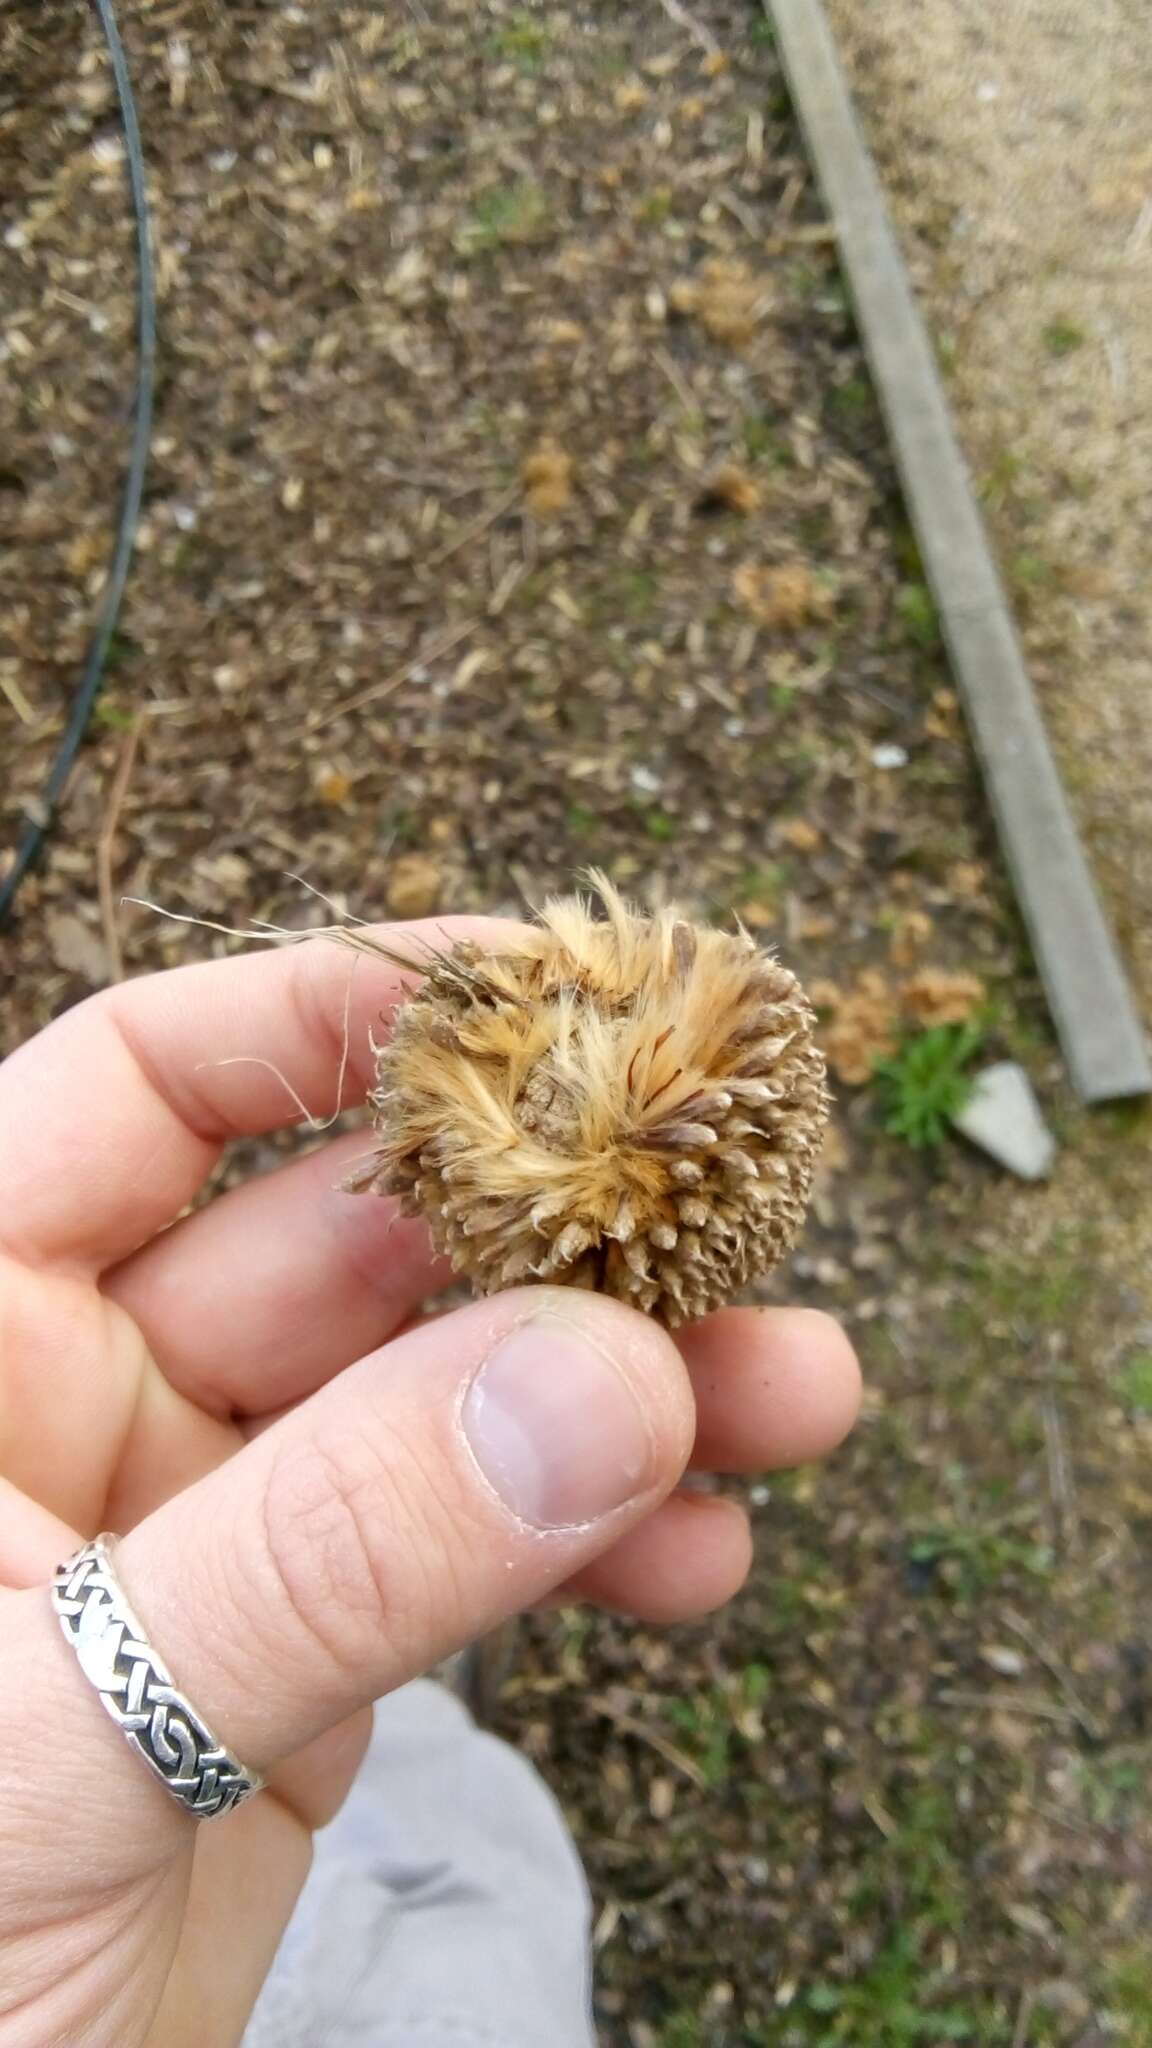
x=518, y=501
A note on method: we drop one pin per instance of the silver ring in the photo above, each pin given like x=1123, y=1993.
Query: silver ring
x=136, y=1688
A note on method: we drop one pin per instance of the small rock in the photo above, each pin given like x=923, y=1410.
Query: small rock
x=999, y=1657
x=413, y=886
x=76, y=947
x=1002, y=1117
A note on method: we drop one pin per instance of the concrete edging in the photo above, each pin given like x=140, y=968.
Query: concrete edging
x=1091, y=1003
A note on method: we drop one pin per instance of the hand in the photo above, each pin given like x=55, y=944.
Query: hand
x=320, y=1493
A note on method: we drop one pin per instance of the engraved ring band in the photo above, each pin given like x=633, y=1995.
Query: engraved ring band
x=137, y=1690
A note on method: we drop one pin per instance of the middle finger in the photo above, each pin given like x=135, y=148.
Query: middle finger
x=259, y=1299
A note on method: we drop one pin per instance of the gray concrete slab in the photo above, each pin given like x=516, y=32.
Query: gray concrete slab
x=1092, y=1007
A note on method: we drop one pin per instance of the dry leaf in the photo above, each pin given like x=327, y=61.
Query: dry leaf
x=546, y=475
x=758, y=914
x=797, y=833
x=414, y=884
x=863, y=1026
x=727, y=298
x=966, y=878
x=730, y=487
x=910, y=935
x=934, y=996
x=630, y=95
x=331, y=785
x=784, y=597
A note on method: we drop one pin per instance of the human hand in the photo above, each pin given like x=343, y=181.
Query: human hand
x=319, y=1492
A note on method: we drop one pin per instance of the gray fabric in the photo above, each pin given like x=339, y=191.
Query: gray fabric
x=446, y=1907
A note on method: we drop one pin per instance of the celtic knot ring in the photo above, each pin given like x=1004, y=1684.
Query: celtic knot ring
x=136, y=1689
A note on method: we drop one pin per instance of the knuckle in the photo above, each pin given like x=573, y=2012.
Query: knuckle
x=355, y=1563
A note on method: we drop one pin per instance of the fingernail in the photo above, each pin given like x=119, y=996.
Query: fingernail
x=555, y=1427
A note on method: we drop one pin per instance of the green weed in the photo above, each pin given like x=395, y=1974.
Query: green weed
x=917, y=614
x=974, y=1557
x=925, y=1083
x=1129, y=1995
x=1135, y=1382
x=110, y=717
x=763, y=441
x=712, y=1724
x=523, y=41
x=1063, y=337
x=761, y=885
x=503, y=214
x=893, y=2004
x=657, y=823
x=851, y=402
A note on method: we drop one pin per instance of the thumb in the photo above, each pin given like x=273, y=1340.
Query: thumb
x=439, y=1485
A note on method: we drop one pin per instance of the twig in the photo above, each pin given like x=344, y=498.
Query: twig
x=1140, y=232
x=1052, y=1664
x=660, y=1743
x=1005, y=1702
x=680, y=387
x=17, y=699
x=106, y=847
x=1023, y=2017
x=478, y=526
x=716, y=691
x=744, y=215
x=375, y=691
x=431, y=480
x=1059, y=1475
x=701, y=36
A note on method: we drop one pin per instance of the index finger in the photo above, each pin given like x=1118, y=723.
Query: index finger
x=111, y=1119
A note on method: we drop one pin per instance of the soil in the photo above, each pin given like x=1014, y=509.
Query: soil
x=519, y=502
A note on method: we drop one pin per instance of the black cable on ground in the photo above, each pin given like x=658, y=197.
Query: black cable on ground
x=32, y=838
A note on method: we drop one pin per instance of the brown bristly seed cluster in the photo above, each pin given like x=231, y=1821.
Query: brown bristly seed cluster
x=621, y=1102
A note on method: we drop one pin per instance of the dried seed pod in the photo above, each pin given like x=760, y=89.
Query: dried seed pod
x=620, y=1102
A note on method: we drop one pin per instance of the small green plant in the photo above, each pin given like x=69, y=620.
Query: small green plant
x=713, y=1723
x=917, y=614
x=1063, y=337
x=110, y=717
x=892, y=2004
x=522, y=41
x=1128, y=1992
x=704, y=1725
x=763, y=441
x=1031, y=572
x=655, y=207
x=974, y=1559
x=1136, y=1382
x=924, y=1084
x=852, y=401
x=681, y=2030
x=1002, y=477
x=657, y=823
x=761, y=885
x=505, y=213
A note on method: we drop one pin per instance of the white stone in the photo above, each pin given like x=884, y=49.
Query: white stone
x=1003, y=1117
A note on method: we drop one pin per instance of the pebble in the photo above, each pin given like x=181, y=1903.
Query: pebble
x=1003, y=1117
